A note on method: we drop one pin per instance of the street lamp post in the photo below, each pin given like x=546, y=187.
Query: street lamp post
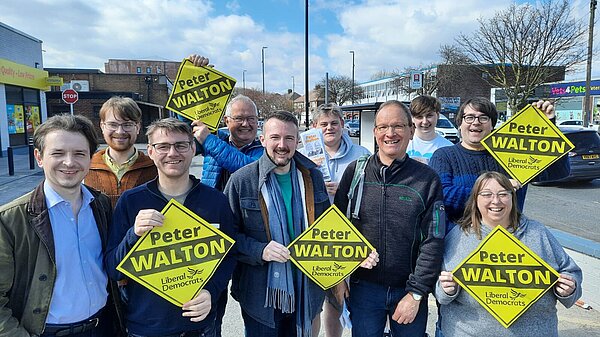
x=352, y=93
x=263, y=67
x=244, y=80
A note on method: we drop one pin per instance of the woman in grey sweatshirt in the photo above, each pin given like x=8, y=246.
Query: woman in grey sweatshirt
x=492, y=204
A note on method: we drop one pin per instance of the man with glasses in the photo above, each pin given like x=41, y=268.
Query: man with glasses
x=340, y=152
x=398, y=207
x=459, y=165
x=171, y=147
x=226, y=153
x=120, y=166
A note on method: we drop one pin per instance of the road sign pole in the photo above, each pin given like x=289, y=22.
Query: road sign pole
x=71, y=109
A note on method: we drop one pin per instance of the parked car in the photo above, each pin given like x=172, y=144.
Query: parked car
x=446, y=129
x=585, y=157
x=353, y=128
x=570, y=122
x=575, y=124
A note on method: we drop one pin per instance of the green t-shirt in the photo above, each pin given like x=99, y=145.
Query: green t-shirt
x=285, y=184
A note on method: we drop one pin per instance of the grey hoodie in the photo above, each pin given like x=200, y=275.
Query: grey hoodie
x=461, y=315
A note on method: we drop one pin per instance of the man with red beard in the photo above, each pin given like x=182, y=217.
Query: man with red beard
x=120, y=166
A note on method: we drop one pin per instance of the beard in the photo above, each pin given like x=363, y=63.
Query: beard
x=280, y=161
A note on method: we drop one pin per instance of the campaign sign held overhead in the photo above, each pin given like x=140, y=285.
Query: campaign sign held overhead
x=330, y=249
x=177, y=259
x=201, y=93
x=504, y=276
x=527, y=144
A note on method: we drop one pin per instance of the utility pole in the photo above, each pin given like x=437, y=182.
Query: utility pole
x=263, y=68
x=588, y=77
x=244, y=80
x=352, y=97
x=306, y=91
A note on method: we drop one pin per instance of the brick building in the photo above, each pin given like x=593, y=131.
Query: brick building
x=150, y=91
x=139, y=67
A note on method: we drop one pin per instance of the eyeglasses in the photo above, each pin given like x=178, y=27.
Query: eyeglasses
x=395, y=128
x=127, y=126
x=164, y=148
x=469, y=119
x=240, y=120
x=502, y=195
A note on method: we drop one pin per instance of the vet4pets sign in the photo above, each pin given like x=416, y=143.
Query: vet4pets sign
x=201, y=93
x=504, y=276
x=527, y=144
x=177, y=259
x=330, y=249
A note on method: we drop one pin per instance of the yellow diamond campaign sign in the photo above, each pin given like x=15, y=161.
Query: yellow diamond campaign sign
x=201, y=93
x=177, y=259
x=330, y=249
x=504, y=276
x=527, y=144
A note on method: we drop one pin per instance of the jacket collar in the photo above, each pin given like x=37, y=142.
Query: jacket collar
x=37, y=210
x=266, y=165
x=99, y=164
x=152, y=185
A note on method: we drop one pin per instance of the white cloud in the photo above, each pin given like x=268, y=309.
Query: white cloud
x=391, y=34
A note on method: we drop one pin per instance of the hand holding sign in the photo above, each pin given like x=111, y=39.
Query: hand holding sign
x=275, y=251
x=199, y=307
x=447, y=282
x=547, y=108
x=200, y=131
x=199, y=61
x=565, y=285
x=146, y=220
x=371, y=261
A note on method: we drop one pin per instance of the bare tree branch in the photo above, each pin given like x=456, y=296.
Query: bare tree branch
x=525, y=45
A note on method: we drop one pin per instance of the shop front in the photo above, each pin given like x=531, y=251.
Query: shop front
x=22, y=102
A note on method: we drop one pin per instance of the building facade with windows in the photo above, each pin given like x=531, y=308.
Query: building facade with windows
x=22, y=85
x=145, y=67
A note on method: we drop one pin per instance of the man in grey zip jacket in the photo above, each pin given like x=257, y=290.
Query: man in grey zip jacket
x=401, y=213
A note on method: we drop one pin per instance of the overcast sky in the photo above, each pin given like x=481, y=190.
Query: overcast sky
x=390, y=34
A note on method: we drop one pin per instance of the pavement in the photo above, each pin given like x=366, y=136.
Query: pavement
x=573, y=322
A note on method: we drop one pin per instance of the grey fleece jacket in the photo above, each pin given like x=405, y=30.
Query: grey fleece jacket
x=401, y=213
x=249, y=280
x=461, y=315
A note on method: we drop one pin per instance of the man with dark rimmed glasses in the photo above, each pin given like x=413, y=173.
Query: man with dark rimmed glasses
x=171, y=146
x=459, y=165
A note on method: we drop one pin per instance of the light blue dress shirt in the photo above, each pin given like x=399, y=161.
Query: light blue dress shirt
x=81, y=281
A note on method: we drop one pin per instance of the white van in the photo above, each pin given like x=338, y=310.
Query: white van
x=446, y=129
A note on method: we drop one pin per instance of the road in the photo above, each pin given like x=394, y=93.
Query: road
x=572, y=207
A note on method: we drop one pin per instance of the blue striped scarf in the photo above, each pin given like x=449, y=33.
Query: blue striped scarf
x=283, y=285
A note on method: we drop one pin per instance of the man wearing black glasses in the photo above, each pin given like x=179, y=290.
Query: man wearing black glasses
x=120, y=166
x=171, y=146
x=459, y=166
x=226, y=152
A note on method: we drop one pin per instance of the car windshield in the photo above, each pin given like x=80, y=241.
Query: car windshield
x=444, y=123
x=584, y=140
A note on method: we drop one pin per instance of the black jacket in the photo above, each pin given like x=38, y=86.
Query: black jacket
x=402, y=216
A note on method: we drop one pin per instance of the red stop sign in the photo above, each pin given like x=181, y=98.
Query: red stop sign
x=70, y=96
